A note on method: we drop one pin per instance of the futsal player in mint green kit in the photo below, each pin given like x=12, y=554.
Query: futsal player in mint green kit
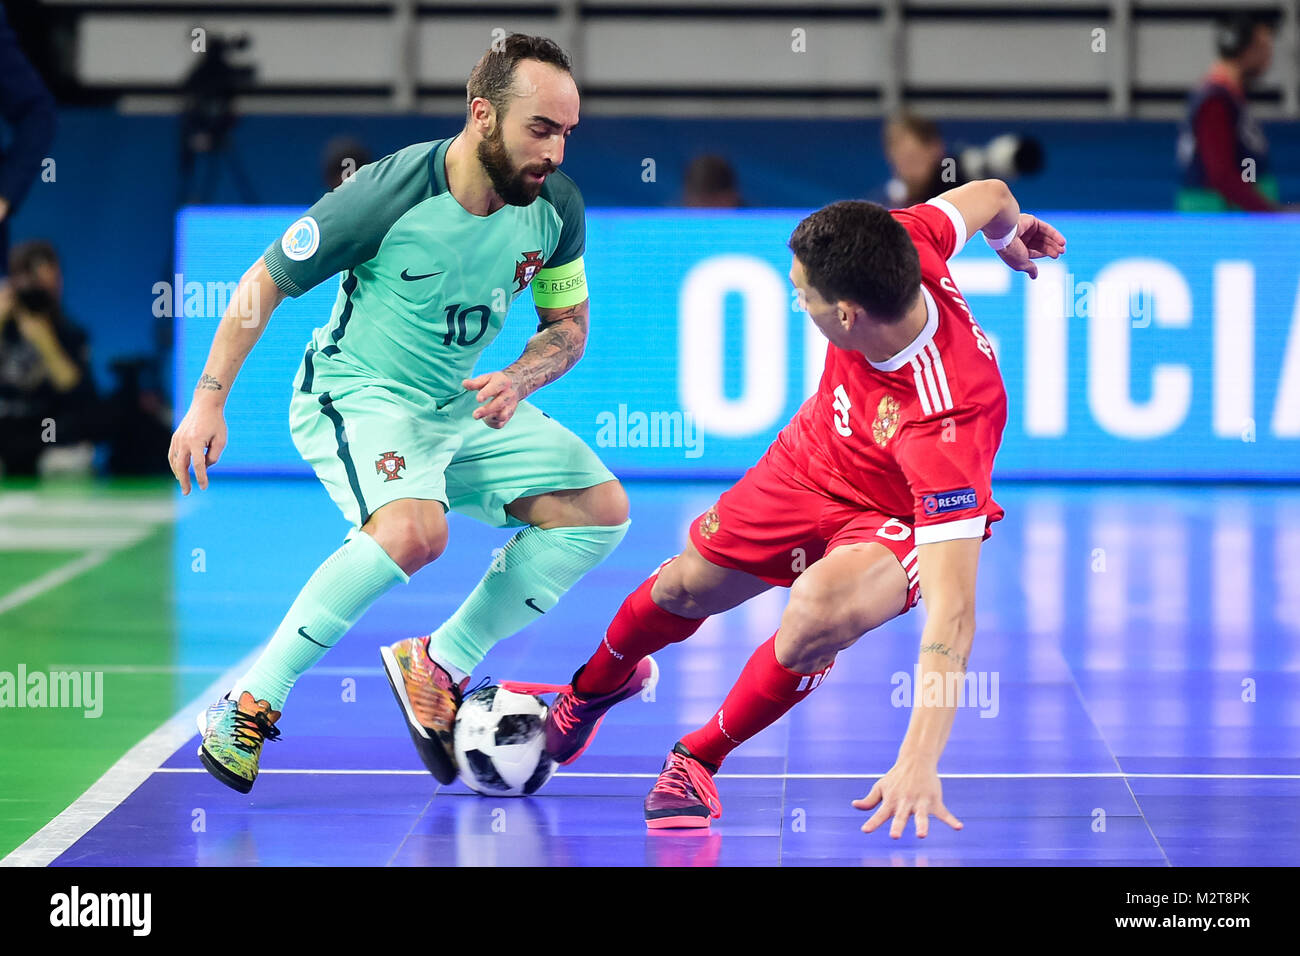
x=432, y=244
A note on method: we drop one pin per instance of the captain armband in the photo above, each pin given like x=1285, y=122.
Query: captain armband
x=561, y=286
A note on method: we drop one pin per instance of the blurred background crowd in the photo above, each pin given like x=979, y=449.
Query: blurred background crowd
x=1152, y=106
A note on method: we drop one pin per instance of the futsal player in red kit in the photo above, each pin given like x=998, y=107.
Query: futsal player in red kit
x=877, y=490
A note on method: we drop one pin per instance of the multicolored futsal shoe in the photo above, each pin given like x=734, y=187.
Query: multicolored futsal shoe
x=684, y=794
x=232, y=738
x=429, y=699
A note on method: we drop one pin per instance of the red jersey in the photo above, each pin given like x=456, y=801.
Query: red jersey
x=913, y=437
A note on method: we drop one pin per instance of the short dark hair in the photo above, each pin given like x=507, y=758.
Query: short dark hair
x=27, y=256
x=708, y=173
x=925, y=130
x=493, y=75
x=342, y=155
x=856, y=251
x=1234, y=31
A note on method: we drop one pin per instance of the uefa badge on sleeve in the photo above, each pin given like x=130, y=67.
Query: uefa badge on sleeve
x=301, y=240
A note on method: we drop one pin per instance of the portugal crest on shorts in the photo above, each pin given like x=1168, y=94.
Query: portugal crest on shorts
x=710, y=522
x=525, y=270
x=886, y=423
x=389, y=464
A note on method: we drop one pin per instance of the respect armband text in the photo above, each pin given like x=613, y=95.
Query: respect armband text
x=561, y=286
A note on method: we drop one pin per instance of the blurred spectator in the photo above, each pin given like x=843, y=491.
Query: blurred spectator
x=28, y=111
x=343, y=156
x=1221, y=149
x=138, y=417
x=710, y=183
x=914, y=149
x=47, y=396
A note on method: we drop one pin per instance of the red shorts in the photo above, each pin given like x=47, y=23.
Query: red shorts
x=774, y=528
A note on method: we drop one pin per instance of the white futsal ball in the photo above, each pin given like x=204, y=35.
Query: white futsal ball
x=499, y=743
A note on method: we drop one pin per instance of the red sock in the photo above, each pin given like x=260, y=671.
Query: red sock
x=765, y=690
x=639, y=628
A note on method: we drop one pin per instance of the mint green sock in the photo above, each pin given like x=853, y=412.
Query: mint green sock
x=348, y=582
x=525, y=580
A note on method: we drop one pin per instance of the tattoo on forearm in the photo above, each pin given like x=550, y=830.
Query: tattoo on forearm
x=946, y=651
x=209, y=383
x=554, y=350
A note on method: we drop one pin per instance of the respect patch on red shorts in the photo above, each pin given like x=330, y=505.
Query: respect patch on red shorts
x=946, y=502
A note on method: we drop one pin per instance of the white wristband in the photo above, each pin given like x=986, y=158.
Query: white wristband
x=1006, y=240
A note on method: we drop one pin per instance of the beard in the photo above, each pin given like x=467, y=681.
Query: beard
x=508, y=182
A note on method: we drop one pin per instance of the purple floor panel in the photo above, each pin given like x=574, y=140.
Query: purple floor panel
x=1096, y=696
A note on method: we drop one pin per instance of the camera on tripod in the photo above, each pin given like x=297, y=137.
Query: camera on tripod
x=210, y=91
x=207, y=118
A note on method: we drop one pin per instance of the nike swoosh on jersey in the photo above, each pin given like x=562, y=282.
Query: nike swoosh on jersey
x=530, y=603
x=410, y=278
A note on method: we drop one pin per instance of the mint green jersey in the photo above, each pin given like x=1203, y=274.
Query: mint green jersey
x=425, y=285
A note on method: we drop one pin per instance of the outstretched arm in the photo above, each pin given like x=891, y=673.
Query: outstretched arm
x=201, y=435
x=243, y=323
x=912, y=785
x=989, y=205
x=557, y=346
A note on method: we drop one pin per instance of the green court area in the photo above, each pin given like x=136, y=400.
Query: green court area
x=85, y=595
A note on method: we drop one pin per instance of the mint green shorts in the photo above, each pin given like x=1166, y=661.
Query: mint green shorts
x=372, y=441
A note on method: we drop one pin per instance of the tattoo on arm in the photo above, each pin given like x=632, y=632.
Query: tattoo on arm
x=209, y=383
x=555, y=349
x=946, y=651
x=576, y=312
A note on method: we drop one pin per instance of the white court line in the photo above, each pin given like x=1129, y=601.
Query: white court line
x=148, y=510
x=121, y=779
x=811, y=776
x=52, y=579
x=102, y=543
x=204, y=669
x=48, y=537
x=146, y=758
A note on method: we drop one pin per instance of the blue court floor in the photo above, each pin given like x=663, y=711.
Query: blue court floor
x=1138, y=648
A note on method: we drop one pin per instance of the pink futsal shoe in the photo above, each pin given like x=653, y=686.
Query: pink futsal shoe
x=572, y=721
x=684, y=795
